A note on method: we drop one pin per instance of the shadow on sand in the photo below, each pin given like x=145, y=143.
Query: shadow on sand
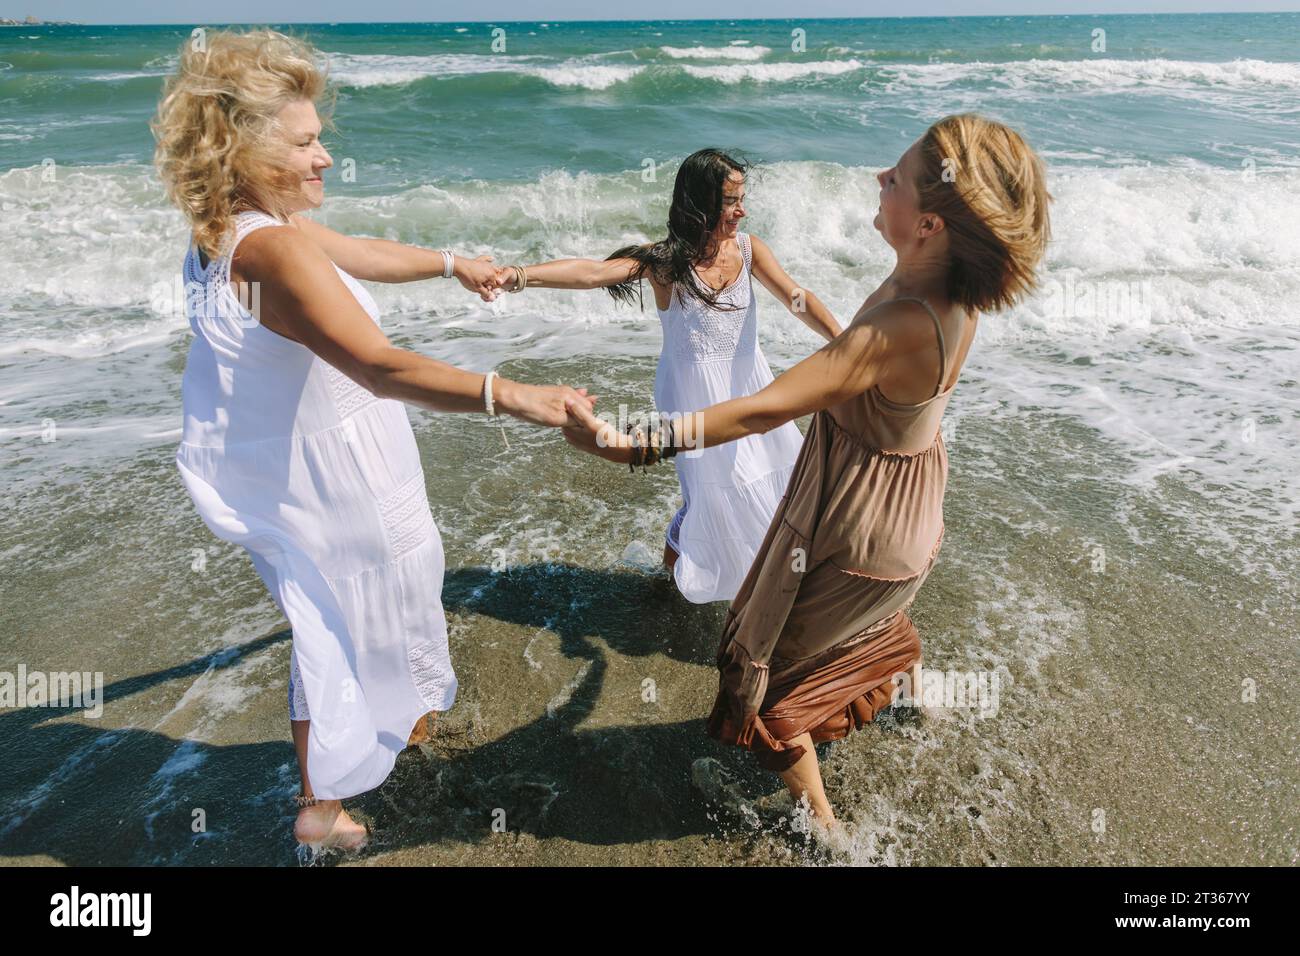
x=86, y=796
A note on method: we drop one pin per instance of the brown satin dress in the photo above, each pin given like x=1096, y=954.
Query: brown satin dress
x=819, y=626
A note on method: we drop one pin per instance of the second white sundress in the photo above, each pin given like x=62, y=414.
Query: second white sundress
x=731, y=491
x=320, y=481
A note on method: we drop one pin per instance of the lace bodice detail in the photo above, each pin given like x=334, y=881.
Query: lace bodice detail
x=694, y=332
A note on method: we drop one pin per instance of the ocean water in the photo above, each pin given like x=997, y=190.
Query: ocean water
x=1122, y=517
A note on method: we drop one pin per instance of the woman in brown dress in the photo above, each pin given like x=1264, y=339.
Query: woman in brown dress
x=820, y=626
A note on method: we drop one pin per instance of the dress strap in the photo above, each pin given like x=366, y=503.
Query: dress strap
x=742, y=239
x=245, y=222
x=938, y=330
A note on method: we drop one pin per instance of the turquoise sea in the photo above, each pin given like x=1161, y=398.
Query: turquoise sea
x=1123, y=526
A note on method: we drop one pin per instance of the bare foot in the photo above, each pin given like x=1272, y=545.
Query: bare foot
x=421, y=733
x=328, y=826
x=825, y=828
x=818, y=822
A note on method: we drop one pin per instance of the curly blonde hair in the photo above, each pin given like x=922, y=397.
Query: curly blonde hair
x=989, y=187
x=216, y=150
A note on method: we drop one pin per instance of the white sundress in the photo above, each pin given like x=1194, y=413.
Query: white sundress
x=730, y=492
x=321, y=482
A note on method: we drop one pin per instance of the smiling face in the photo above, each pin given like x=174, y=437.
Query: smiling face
x=299, y=128
x=733, y=207
x=899, y=213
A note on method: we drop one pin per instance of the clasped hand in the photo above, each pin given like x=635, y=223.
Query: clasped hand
x=484, y=279
x=595, y=435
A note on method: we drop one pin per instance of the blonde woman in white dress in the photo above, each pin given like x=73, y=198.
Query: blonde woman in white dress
x=296, y=442
x=701, y=276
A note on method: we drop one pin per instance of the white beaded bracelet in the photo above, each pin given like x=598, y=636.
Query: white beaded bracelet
x=448, y=263
x=488, y=404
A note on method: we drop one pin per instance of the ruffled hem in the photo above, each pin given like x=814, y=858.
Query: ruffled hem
x=834, y=694
x=752, y=734
x=718, y=535
x=732, y=722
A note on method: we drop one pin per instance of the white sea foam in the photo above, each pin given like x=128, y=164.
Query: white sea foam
x=1214, y=248
x=386, y=69
x=587, y=76
x=1101, y=74
x=97, y=237
x=130, y=75
x=367, y=70
x=738, y=51
x=588, y=72
x=731, y=73
x=1176, y=77
x=106, y=339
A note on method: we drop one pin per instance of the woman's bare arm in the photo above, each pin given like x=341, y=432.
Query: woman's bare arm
x=302, y=298
x=851, y=363
x=802, y=303
x=381, y=260
x=578, y=273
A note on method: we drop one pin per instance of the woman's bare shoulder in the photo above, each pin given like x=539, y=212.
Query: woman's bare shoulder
x=274, y=252
x=892, y=316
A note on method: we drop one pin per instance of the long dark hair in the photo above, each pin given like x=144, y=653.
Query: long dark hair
x=694, y=214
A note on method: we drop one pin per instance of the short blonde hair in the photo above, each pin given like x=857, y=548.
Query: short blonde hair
x=990, y=189
x=216, y=152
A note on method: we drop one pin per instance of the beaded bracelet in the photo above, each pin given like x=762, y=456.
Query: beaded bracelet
x=637, y=456
x=655, y=449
